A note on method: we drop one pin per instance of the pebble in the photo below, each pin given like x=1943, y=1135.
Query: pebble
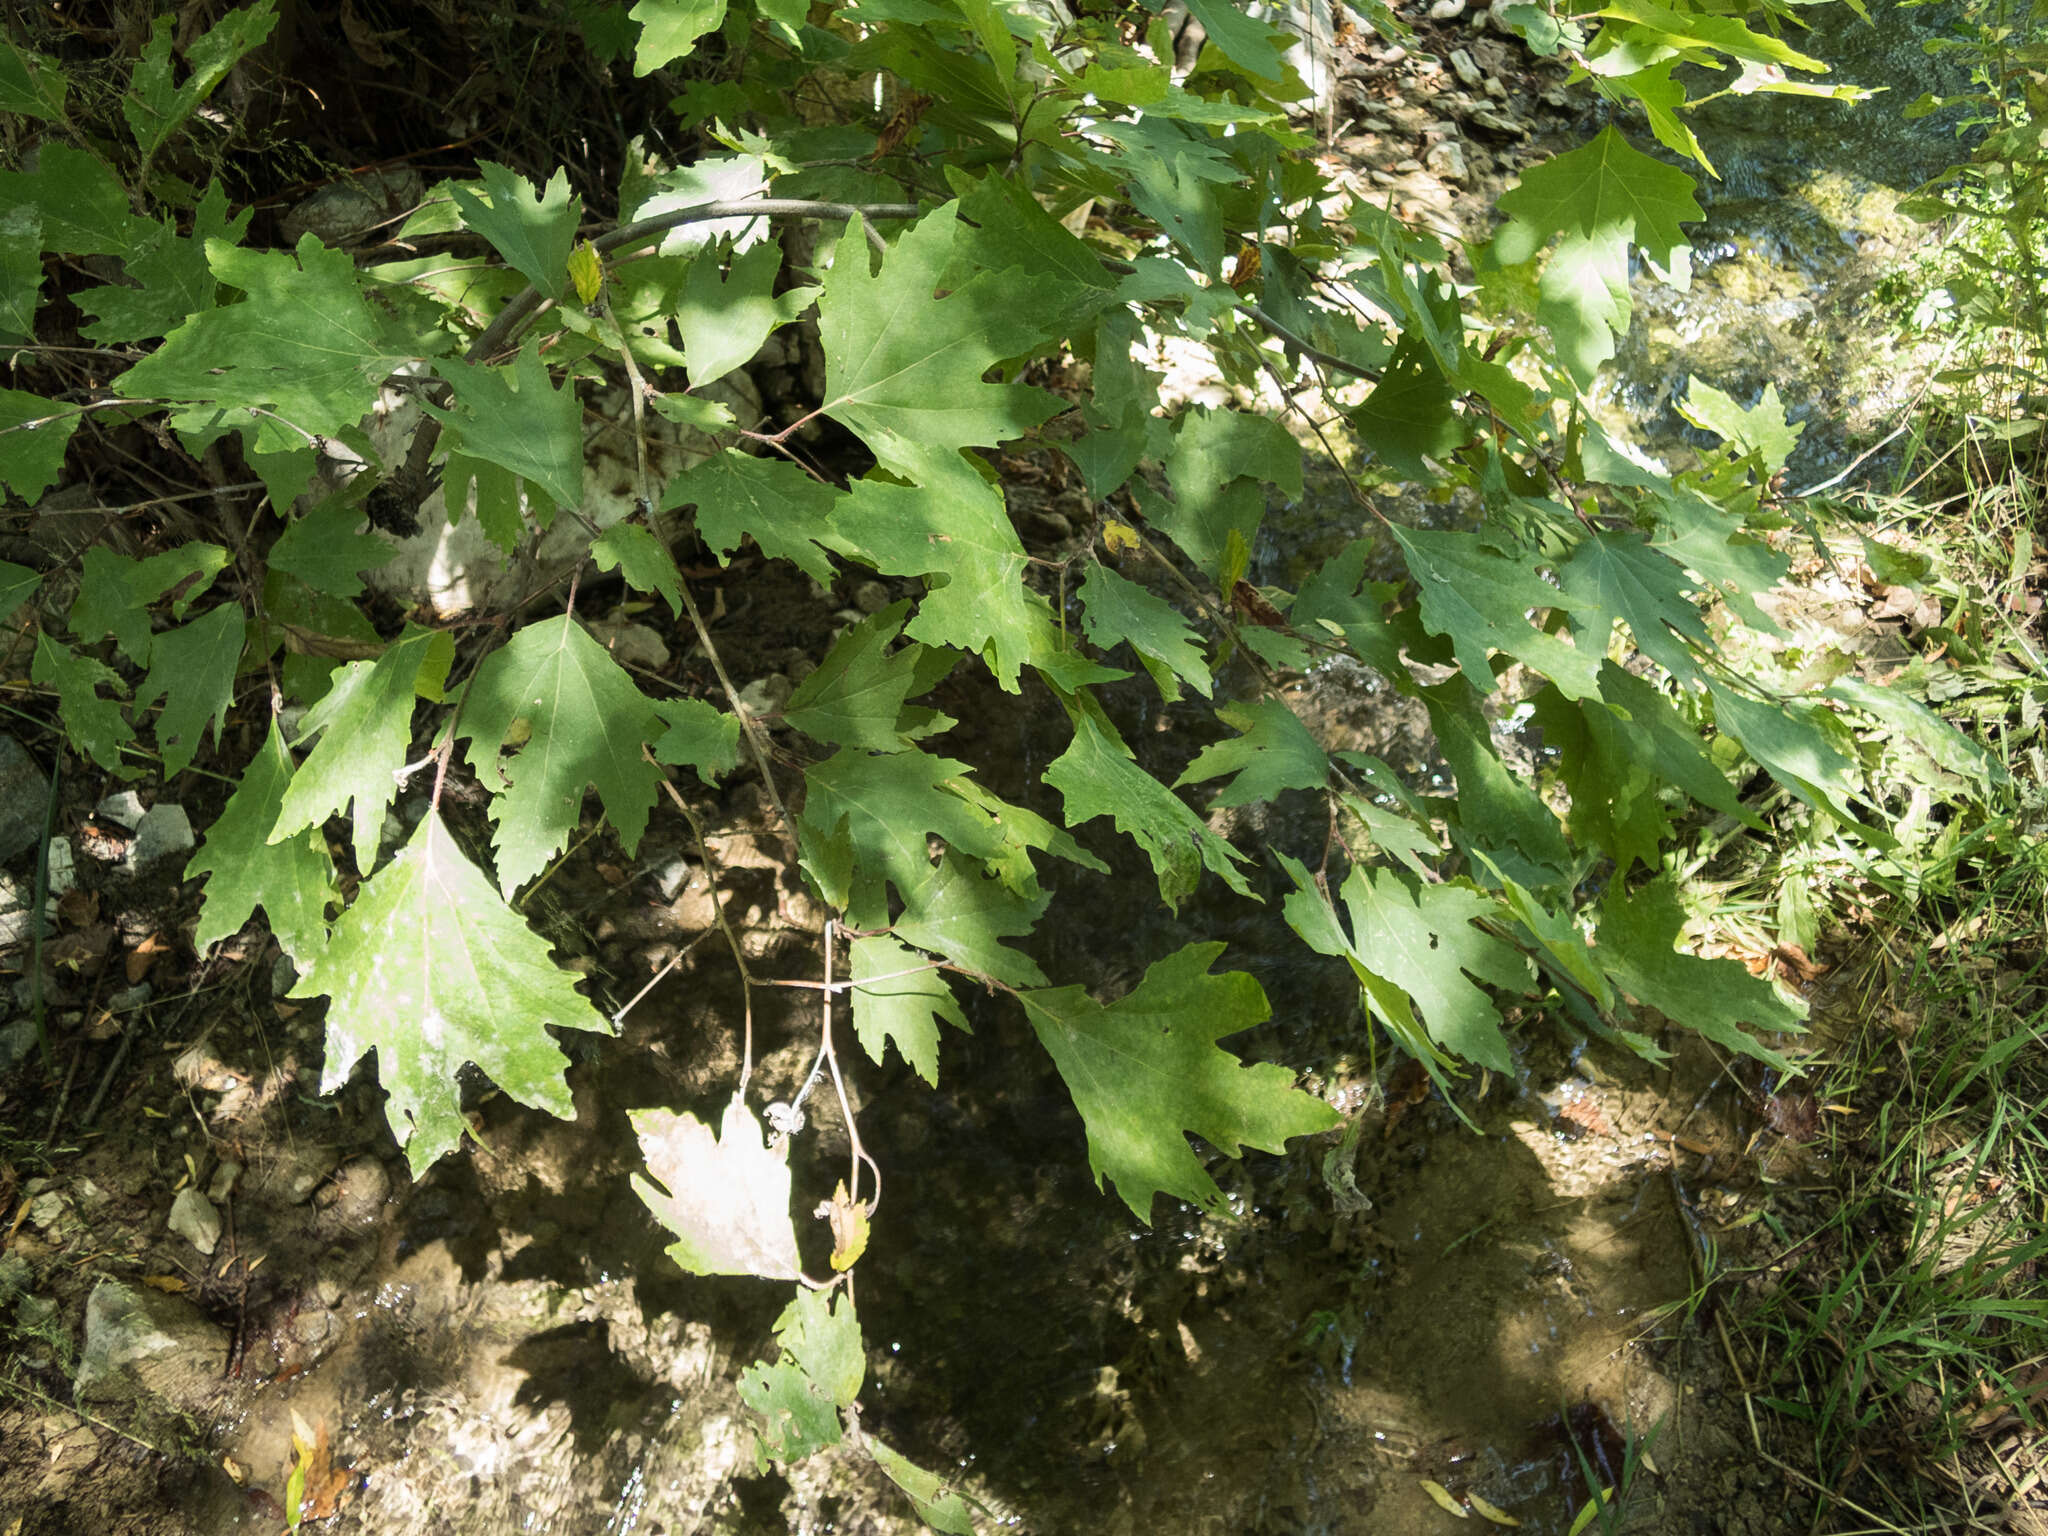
x=766, y=695
x=164, y=831
x=1466, y=70
x=1447, y=10
x=224, y=1180
x=1447, y=160
x=124, y=810
x=136, y=1337
x=194, y=1219
x=871, y=597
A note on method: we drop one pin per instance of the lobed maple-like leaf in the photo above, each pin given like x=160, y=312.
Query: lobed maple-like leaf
x=1636, y=944
x=724, y=318
x=1219, y=467
x=584, y=722
x=856, y=696
x=1498, y=812
x=724, y=1196
x=192, y=669
x=904, y=367
x=1621, y=576
x=1760, y=429
x=669, y=30
x=897, y=996
x=21, y=272
x=364, y=723
x=1098, y=776
x=816, y=1374
x=891, y=806
x=1272, y=752
x=964, y=912
x=1481, y=599
x=328, y=550
x=83, y=208
x=514, y=418
x=292, y=881
x=34, y=433
x=937, y=1503
x=95, y=725
x=432, y=971
x=168, y=276
x=642, y=560
x=115, y=592
x=1114, y=610
x=781, y=508
x=304, y=345
x=533, y=230
x=155, y=107
x=1146, y=1069
x=700, y=736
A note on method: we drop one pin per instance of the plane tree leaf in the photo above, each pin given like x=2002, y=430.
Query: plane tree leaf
x=1098, y=776
x=1621, y=576
x=292, y=881
x=514, y=418
x=155, y=106
x=816, y=1374
x=1114, y=609
x=364, y=722
x=1636, y=944
x=192, y=669
x=95, y=724
x=33, y=435
x=724, y=1196
x=898, y=996
x=669, y=30
x=1272, y=752
x=304, y=345
x=785, y=511
x=892, y=805
x=533, y=230
x=964, y=913
x=1146, y=1070
x=328, y=550
x=576, y=719
x=643, y=560
x=1760, y=429
x=903, y=366
x=935, y=1501
x=700, y=736
x=724, y=318
x=855, y=698
x=1482, y=599
x=432, y=971
x=115, y=593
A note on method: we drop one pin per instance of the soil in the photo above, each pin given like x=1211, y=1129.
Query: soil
x=500, y=1344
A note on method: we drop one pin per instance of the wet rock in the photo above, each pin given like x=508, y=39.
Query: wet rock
x=1446, y=10
x=871, y=597
x=312, y=1326
x=194, y=1219
x=357, y=1195
x=351, y=210
x=24, y=792
x=139, y=1340
x=164, y=831
x=17, y=1042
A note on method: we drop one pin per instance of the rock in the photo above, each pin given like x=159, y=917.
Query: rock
x=1466, y=70
x=672, y=877
x=352, y=209
x=164, y=831
x=871, y=597
x=766, y=695
x=1446, y=160
x=283, y=975
x=329, y=1289
x=139, y=1340
x=298, y=1173
x=223, y=1182
x=194, y=1219
x=357, y=1195
x=47, y=1209
x=1446, y=10
x=24, y=793
x=634, y=644
x=124, y=810
x=17, y=1042
x=63, y=868
x=1494, y=122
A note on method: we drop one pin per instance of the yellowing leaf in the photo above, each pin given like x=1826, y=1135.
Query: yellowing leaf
x=586, y=271
x=849, y=1220
x=1441, y=1497
x=1490, y=1511
x=726, y=1197
x=432, y=971
x=1119, y=538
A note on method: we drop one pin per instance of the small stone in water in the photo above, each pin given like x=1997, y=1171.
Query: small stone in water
x=1447, y=10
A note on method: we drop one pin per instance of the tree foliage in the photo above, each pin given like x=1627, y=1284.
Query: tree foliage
x=1040, y=189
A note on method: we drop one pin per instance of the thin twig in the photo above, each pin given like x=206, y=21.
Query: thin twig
x=739, y=956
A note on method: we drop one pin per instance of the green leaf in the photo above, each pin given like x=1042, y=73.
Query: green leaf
x=364, y=722
x=21, y=271
x=1249, y=44
x=169, y=278
x=855, y=698
x=1699, y=536
x=1760, y=429
x=17, y=584
x=33, y=436
x=1219, y=467
x=1419, y=941
x=669, y=30
x=31, y=85
x=817, y=1373
x=1614, y=576
x=889, y=1004
x=155, y=108
x=1114, y=610
x=1097, y=776
x=193, y=671
x=292, y=881
x=432, y=971
x=1337, y=600
x=1407, y=419
x=903, y=367
x=1618, y=757
x=1498, y=812
x=95, y=725
x=954, y=529
x=327, y=549
x=533, y=230
x=84, y=208
x=937, y=1505
x=724, y=320
x=699, y=736
x=114, y=593
x=892, y=804
x=1802, y=746
x=643, y=559
x=1595, y=201
x=725, y=1197
x=781, y=508
x=1273, y=752
x=586, y=722
x=964, y=913
x=303, y=345
x=1146, y=1070
x=1907, y=720
x=1480, y=599
x=515, y=418
x=1636, y=944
